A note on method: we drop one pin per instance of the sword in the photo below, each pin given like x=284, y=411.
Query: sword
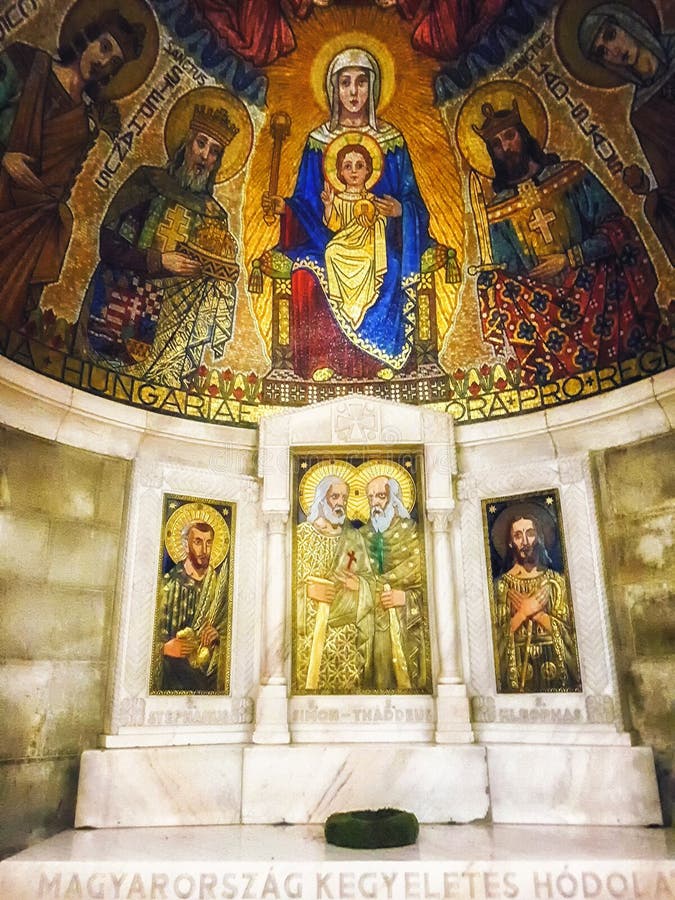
x=526, y=656
x=318, y=638
x=482, y=228
x=397, y=655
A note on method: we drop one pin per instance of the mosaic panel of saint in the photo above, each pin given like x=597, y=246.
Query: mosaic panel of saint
x=535, y=644
x=191, y=649
x=360, y=619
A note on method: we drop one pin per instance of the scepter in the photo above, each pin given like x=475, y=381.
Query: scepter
x=280, y=126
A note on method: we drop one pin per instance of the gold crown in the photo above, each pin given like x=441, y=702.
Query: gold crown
x=214, y=238
x=497, y=120
x=215, y=122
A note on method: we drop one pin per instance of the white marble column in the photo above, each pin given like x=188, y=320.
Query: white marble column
x=452, y=705
x=271, y=718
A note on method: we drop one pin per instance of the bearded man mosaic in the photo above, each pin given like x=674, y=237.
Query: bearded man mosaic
x=193, y=621
x=465, y=205
x=360, y=611
x=534, y=637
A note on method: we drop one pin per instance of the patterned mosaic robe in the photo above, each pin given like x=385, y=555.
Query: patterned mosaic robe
x=139, y=318
x=190, y=604
x=600, y=312
x=356, y=258
x=532, y=659
x=399, y=653
x=347, y=649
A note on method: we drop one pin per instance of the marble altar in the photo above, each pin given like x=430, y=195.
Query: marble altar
x=535, y=766
x=467, y=753
x=481, y=862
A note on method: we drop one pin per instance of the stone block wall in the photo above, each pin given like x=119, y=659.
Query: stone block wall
x=61, y=517
x=636, y=491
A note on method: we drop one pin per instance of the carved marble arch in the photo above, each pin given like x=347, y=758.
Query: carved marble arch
x=590, y=714
x=359, y=428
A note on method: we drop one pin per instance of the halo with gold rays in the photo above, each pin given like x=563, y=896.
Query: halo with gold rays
x=340, y=42
x=132, y=74
x=569, y=18
x=196, y=512
x=179, y=118
x=500, y=94
x=411, y=109
x=338, y=467
x=380, y=468
x=352, y=137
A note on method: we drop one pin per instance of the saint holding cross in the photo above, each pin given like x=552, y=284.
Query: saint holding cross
x=570, y=285
x=162, y=299
x=333, y=587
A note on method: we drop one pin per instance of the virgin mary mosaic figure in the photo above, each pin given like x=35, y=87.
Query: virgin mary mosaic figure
x=325, y=340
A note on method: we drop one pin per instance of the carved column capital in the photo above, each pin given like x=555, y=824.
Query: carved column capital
x=276, y=521
x=440, y=519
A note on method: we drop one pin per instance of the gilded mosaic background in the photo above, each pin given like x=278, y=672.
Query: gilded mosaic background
x=210, y=208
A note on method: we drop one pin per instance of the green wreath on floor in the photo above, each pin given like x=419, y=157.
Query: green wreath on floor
x=370, y=829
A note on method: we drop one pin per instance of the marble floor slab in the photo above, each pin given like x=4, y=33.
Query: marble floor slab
x=242, y=862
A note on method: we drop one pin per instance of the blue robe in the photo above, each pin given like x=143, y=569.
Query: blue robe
x=386, y=332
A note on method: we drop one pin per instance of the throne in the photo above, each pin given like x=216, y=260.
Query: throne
x=424, y=382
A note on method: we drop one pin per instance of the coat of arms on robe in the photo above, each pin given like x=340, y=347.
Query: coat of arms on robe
x=161, y=302
x=193, y=618
x=533, y=629
x=360, y=616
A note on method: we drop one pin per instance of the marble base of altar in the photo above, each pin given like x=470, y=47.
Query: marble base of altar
x=448, y=862
x=297, y=784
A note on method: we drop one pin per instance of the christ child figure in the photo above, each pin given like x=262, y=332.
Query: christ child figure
x=356, y=257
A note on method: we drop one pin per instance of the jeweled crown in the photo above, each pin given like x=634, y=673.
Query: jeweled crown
x=215, y=122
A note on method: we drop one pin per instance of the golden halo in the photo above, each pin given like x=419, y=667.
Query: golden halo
x=501, y=95
x=352, y=137
x=374, y=469
x=377, y=48
x=196, y=512
x=180, y=115
x=568, y=20
x=132, y=74
x=338, y=467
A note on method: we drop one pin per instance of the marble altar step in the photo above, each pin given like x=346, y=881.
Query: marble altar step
x=303, y=784
x=293, y=862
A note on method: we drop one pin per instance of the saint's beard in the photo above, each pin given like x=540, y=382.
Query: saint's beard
x=517, y=165
x=527, y=555
x=334, y=516
x=199, y=563
x=381, y=519
x=191, y=180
